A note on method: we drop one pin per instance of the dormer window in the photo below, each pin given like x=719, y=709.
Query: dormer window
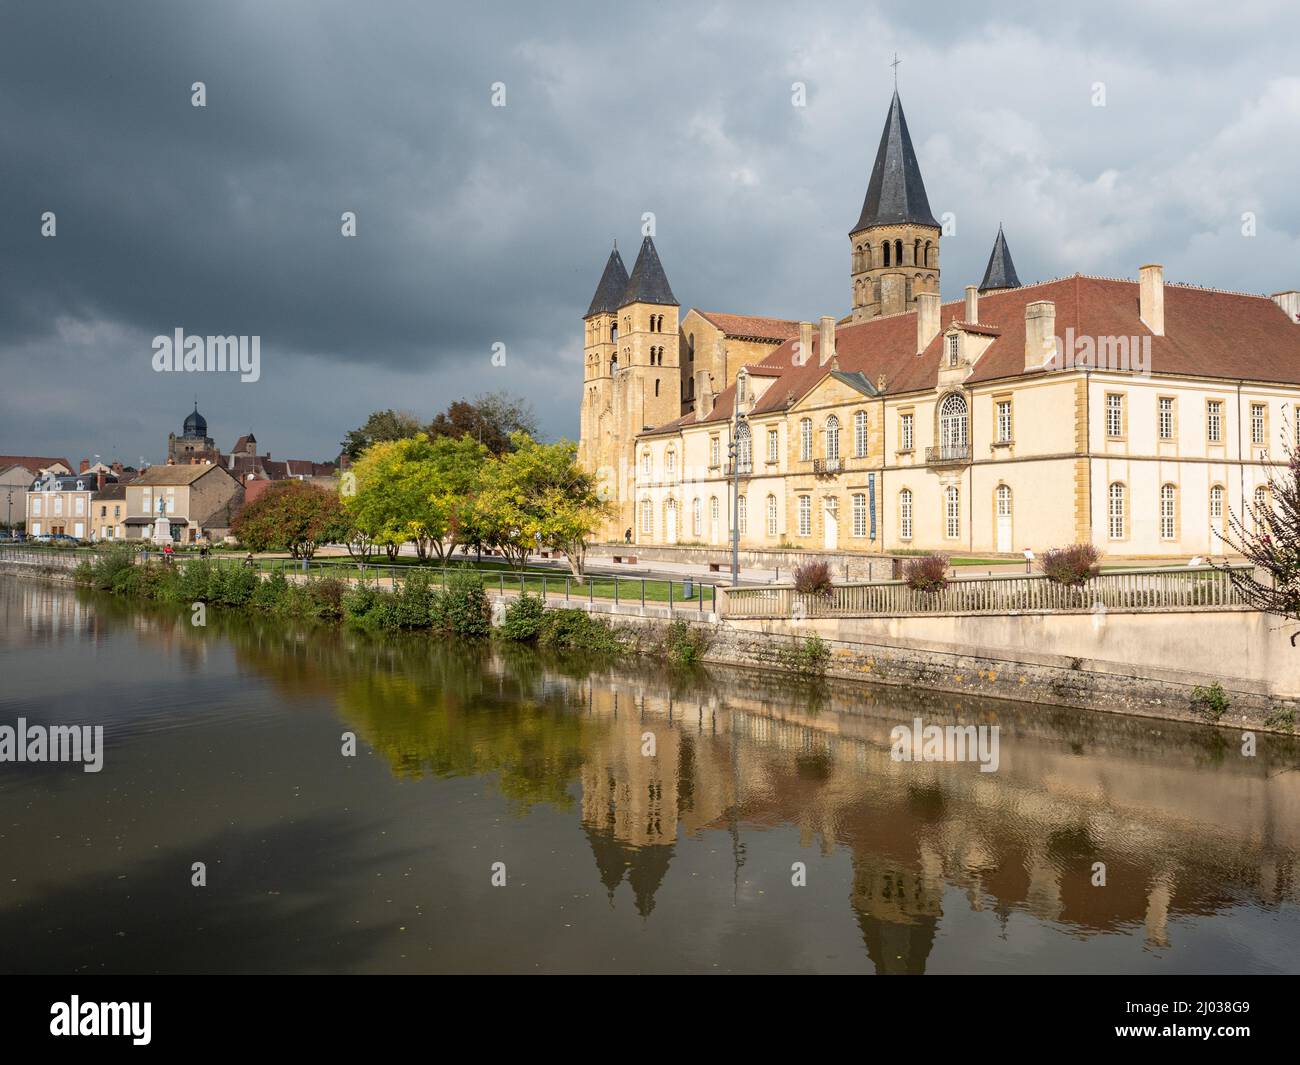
x=953, y=341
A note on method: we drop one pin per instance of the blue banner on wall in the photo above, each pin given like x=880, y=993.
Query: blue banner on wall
x=871, y=502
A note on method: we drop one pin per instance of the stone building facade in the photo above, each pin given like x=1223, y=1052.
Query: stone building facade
x=1139, y=416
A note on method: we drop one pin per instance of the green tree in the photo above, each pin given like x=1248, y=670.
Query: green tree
x=535, y=495
x=291, y=516
x=417, y=491
x=381, y=426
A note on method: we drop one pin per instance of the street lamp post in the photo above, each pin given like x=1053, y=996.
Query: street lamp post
x=733, y=451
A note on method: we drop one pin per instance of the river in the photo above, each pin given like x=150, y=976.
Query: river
x=504, y=811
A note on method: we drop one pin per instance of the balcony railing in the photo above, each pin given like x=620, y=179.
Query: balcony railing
x=947, y=454
x=828, y=465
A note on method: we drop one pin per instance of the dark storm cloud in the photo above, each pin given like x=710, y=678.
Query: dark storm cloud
x=481, y=225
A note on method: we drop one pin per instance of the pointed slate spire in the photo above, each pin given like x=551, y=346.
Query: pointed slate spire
x=648, y=283
x=1001, y=271
x=896, y=192
x=612, y=283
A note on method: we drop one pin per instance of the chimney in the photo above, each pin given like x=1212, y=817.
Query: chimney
x=1151, y=297
x=927, y=319
x=1289, y=302
x=703, y=395
x=117, y=467
x=1040, y=334
x=972, y=305
x=805, y=344
x=827, y=351
x=99, y=481
x=85, y=465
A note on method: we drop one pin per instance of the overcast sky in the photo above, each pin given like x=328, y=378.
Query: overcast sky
x=480, y=225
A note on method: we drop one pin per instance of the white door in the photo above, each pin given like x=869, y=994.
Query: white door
x=670, y=530
x=79, y=530
x=1004, y=519
x=830, y=527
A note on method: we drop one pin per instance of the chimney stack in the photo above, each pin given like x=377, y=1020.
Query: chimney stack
x=1151, y=297
x=972, y=305
x=1040, y=334
x=805, y=344
x=1289, y=302
x=703, y=395
x=85, y=465
x=827, y=351
x=99, y=481
x=927, y=319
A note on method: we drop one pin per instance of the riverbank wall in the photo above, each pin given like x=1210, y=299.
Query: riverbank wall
x=1147, y=664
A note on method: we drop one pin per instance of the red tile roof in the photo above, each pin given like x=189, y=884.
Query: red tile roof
x=1208, y=333
x=746, y=325
x=35, y=463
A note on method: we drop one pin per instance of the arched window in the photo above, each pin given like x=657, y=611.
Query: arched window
x=1117, y=504
x=1004, y=501
x=1168, y=512
x=695, y=516
x=656, y=386
x=613, y=332
x=744, y=448
x=690, y=348
x=952, y=512
x=805, y=439
x=860, y=434
x=927, y=253
x=670, y=519
x=670, y=460
x=1216, y=507
x=952, y=425
x=613, y=365
x=898, y=253
x=713, y=517
x=771, y=515
x=1263, y=513
x=645, y=465
x=884, y=251
x=916, y=253
x=742, y=515
x=832, y=437
x=905, y=514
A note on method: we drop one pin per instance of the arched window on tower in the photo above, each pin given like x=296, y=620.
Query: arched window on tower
x=884, y=251
x=690, y=348
x=916, y=251
x=613, y=332
x=898, y=253
x=927, y=253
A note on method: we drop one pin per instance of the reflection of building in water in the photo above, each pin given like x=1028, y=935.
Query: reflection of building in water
x=1024, y=838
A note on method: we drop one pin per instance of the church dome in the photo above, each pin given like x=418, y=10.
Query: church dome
x=196, y=426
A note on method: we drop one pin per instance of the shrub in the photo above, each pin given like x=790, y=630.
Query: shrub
x=1072, y=566
x=809, y=657
x=414, y=604
x=927, y=574
x=270, y=594
x=524, y=619
x=1210, y=703
x=367, y=606
x=684, y=644
x=110, y=564
x=231, y=585
x=461, y=607
x=576, y=630
x=326, y=597
x=813, y=578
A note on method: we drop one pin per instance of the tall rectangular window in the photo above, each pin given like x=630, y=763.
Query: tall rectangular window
x=1004, y=421
x=905, y=432
x=742, y=515
x=1116, y=511
x=773, y=446
x=859, y=514
x=715, y=451
x=805, y=515
x=1165, y=407
x=860, y=434
x=805, y=439
x=952, y=512
x=771, y=515
x=1168, y=525
x=953, y=342
x=905, y=514
x=647, y=517
x=1214, y=421
x=1114, y=415
x=1257, y=424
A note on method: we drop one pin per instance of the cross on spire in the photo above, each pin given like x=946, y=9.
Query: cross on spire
x=894, y=64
